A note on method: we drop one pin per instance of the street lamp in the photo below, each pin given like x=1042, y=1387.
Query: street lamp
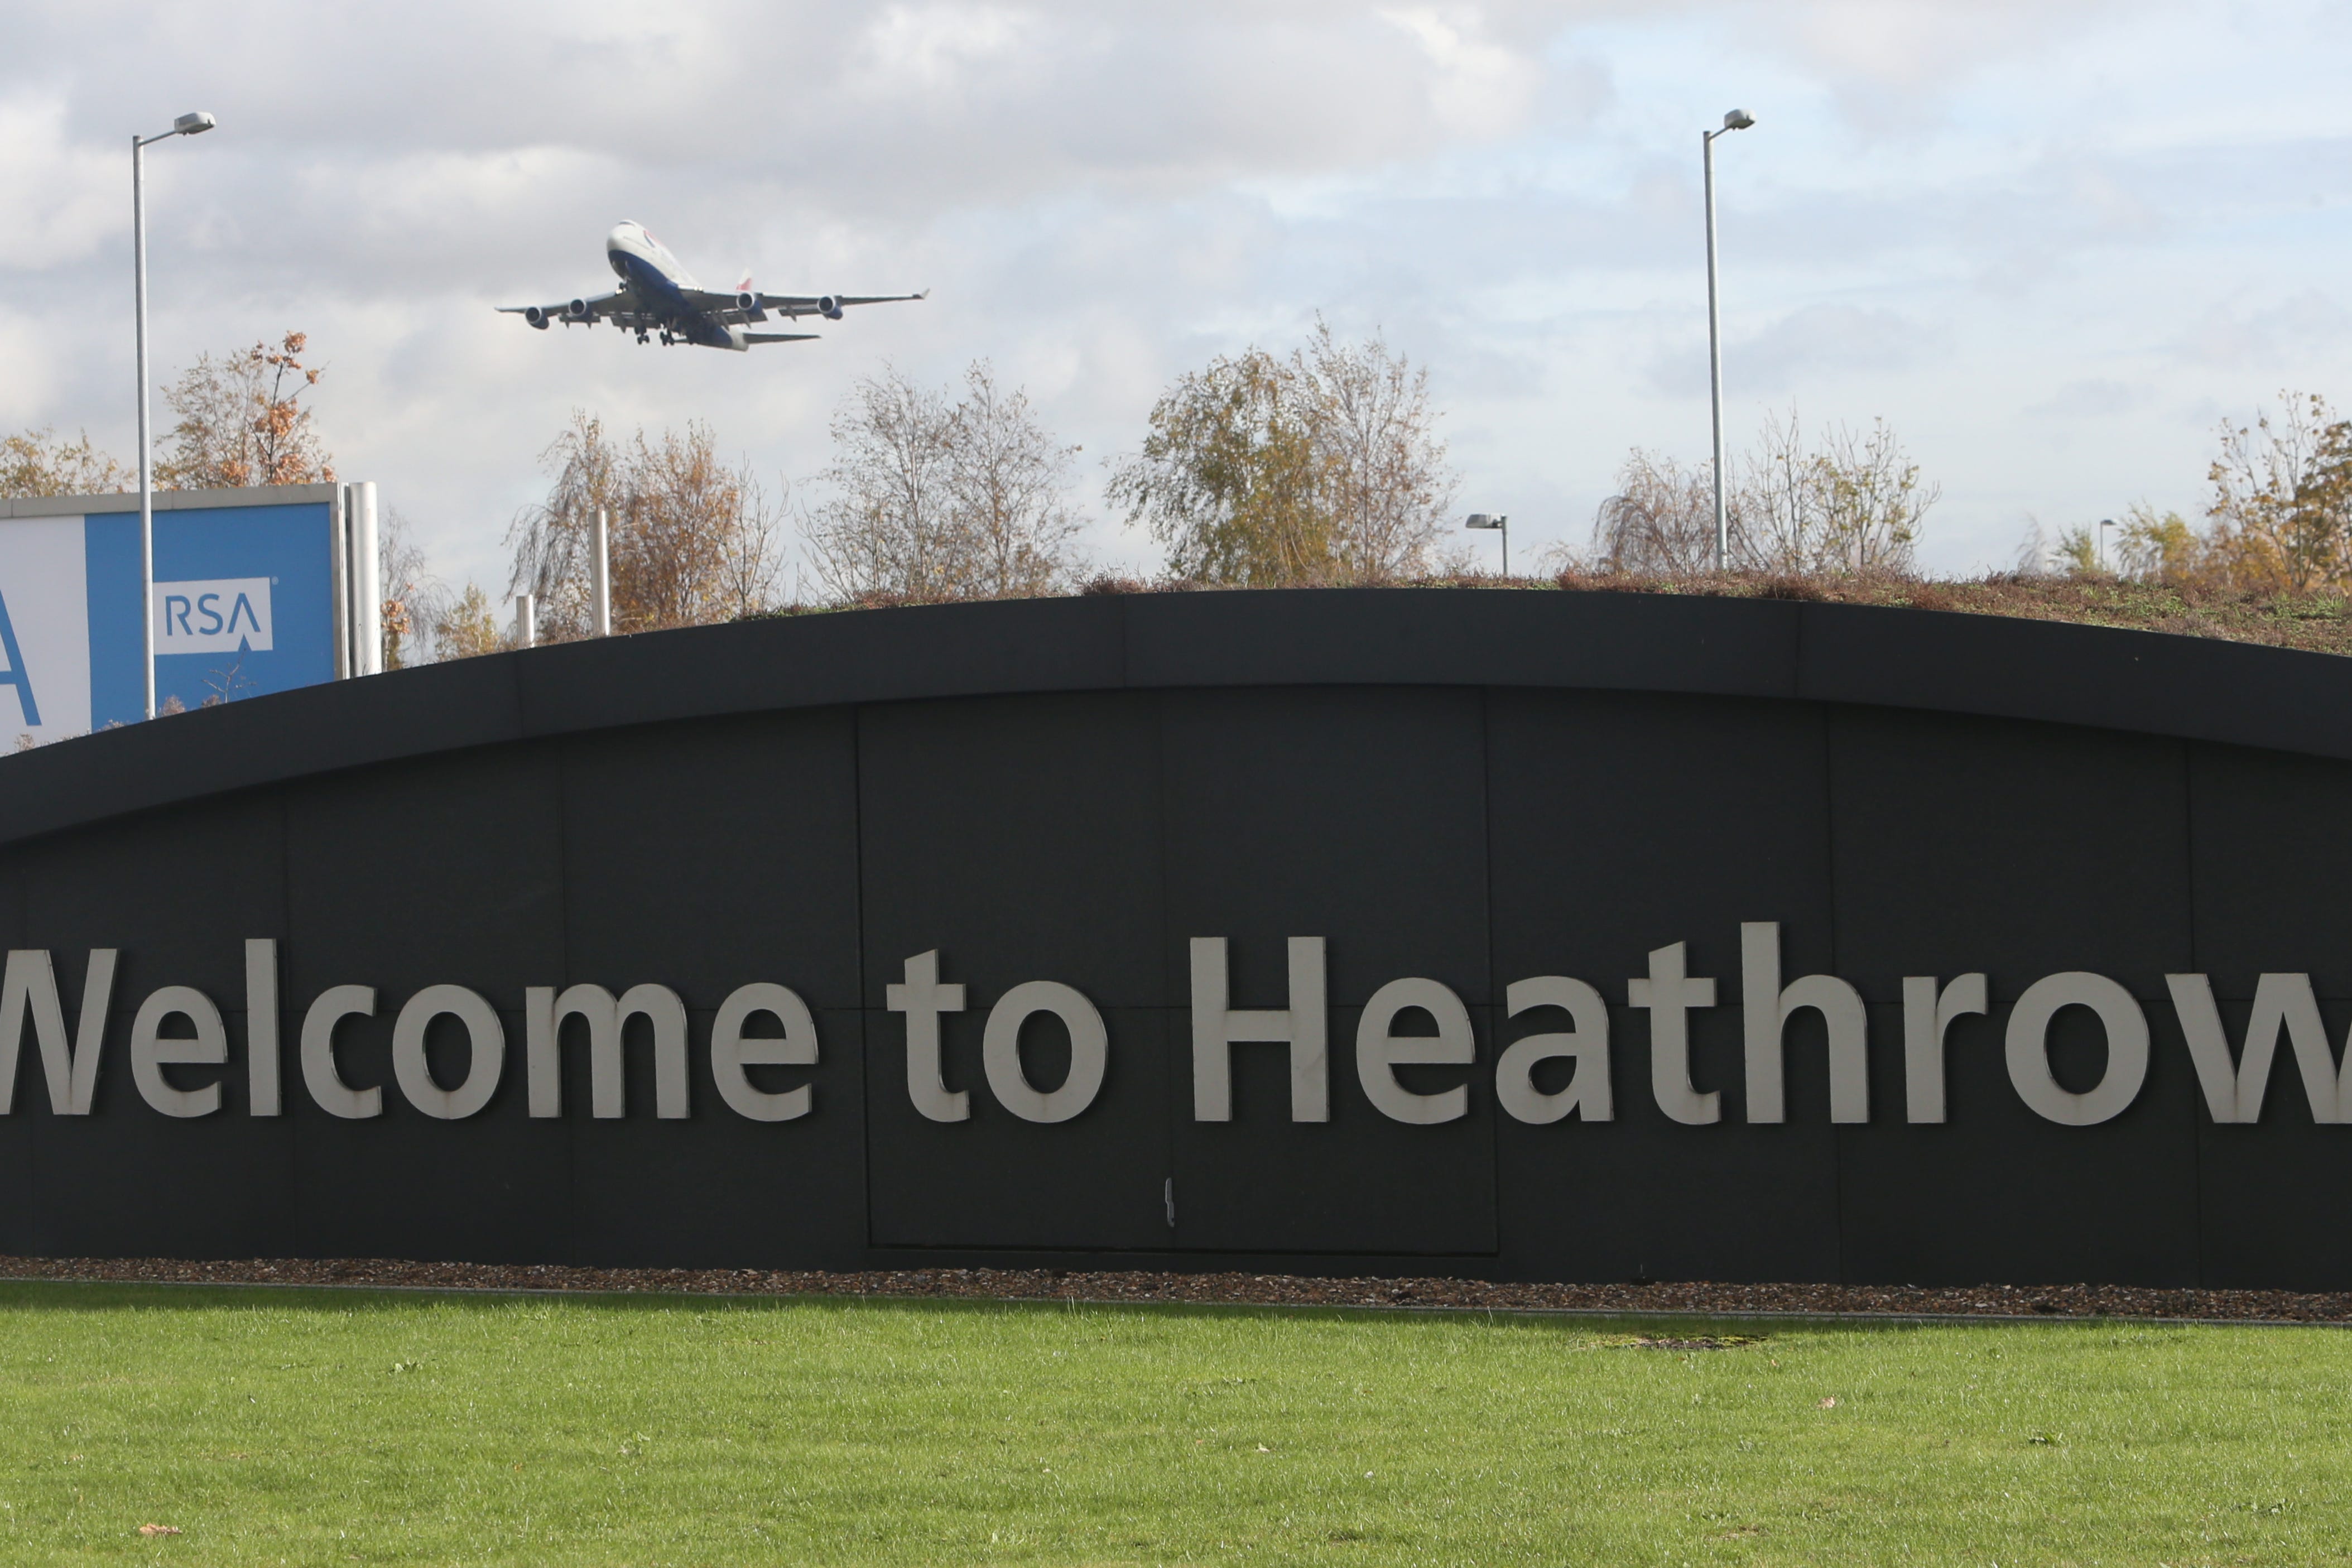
x=195, y=125
x=1480, y=519
x=2105, y=523
x=1737, y=120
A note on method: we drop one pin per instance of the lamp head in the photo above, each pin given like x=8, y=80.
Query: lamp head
x=195, y=125
x=1738, y=120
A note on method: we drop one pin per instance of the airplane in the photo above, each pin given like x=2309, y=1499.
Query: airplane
x=657, y=295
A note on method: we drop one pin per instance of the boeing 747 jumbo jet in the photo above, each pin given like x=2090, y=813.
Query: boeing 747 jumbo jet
x=656, y=295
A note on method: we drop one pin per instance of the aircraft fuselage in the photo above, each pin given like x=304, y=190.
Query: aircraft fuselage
x=657, y=282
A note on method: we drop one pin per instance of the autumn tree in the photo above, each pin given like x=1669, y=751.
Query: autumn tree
x=1325, y=467
x=692, y=541
x=1659, y=522
x=1226, y=479
x=2161, y=547
x=2280, y=520
x=933, y=499
x=1008, y=483
x=1381, y=467
x=414, y=600
x=2281, y=508
x=1852, y=502
x=2076, y=552
x=884, y=527
x=41, y=463
x=553, y=540
x=2147, y=544
x=466, y=628
x=242, y=421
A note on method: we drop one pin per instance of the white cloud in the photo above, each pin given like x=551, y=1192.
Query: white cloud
x=2286, y=334
x=61, y=198
x=1481, y=88
x=28, y=389
x=934, y=48
x=2094, y=398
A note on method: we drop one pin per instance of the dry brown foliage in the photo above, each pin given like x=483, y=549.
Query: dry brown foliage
x=416, y=601
x=466, y=628
x=1845, y=501
x=2281, y=511
x=39, y=463
x=692, y=540
x=932, y=498
x=242, y=422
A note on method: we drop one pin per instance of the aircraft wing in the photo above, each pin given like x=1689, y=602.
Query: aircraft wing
x=730, y=307
x=815, y=304
x=596, y=309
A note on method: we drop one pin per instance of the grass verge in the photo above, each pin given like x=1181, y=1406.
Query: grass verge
x=337, y=1427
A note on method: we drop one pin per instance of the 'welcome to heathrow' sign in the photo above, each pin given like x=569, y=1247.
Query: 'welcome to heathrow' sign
x=1537, y=935
x=178, y=1033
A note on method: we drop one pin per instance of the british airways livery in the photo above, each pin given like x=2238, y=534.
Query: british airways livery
x=657, y=295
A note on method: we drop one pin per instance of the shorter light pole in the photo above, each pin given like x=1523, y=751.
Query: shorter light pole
x=2105, y=523
x=1482, y=520
x=1737, y=119
x=195, y=125
x=526, y=621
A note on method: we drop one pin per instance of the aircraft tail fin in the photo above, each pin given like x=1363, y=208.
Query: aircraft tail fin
x=745, y=286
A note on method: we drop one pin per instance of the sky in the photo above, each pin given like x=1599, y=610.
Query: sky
x=2052, y=244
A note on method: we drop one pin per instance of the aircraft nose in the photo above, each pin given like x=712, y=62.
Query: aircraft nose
x=623, y=233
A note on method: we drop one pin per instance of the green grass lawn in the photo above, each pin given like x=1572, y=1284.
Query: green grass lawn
x=331, y=1427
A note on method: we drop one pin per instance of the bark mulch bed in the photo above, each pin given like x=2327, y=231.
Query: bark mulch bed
x=1246, y=1289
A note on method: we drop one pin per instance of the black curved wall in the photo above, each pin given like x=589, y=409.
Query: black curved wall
x=1474, y=787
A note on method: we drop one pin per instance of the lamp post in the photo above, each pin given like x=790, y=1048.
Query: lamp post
x=1480, y=519
x=2105, y=523
x=195, y=125
x=1737, y=120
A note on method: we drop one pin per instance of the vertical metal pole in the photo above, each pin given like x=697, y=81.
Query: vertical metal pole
x=601, y=568
x=146, y=459
x=1714, y=356
x=526, y=621
x=367, y=580
x=1506, y=547
x=339, y=567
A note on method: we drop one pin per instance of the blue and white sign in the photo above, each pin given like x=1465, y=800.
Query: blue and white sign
x=245, y=603
x=44, y=630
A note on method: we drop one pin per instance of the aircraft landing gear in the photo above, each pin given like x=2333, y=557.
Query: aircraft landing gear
x=668, y=340
x=642, y=339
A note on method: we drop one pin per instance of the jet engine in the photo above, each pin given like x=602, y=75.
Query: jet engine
x=577, y=309
x=536, y=317
x=829, y=308
x=747, y=301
